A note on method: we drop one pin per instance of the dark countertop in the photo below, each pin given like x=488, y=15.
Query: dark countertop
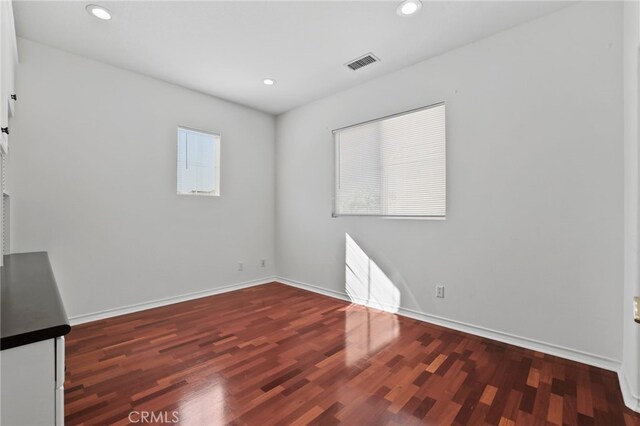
x=30, y=306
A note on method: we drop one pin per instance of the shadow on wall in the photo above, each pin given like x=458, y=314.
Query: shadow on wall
x=365, y=283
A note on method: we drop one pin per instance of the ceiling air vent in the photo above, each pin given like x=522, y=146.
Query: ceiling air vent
x=362, y=61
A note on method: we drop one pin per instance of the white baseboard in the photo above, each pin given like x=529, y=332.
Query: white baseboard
x=631, y=400
x=108, y=313
x=524, y=342
x=315, y=289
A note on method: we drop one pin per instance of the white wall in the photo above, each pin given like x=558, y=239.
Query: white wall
x=533, y=240
x=93, y=179
x=532, y=244
x=630, y=380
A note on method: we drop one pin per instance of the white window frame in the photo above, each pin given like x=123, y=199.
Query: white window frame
x=336, y=174
x=216, y=165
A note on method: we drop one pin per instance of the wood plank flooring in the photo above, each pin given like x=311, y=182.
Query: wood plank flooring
x=273, y=354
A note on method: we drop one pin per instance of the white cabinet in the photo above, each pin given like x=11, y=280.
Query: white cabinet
x=32, y=384
x=8, y=62
x=60, y=366
x=32, y=344
x=4, y=209
x=8, y=97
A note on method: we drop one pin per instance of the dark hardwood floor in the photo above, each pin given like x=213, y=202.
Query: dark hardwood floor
x=273, y=354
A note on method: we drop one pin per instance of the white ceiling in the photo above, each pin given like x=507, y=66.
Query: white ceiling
x=226, y=48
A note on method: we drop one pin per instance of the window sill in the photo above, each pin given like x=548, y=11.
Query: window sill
x=198, y=194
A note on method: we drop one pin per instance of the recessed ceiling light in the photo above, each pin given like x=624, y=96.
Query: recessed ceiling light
x=99, y=12
x=269, y=81
x=409, y=7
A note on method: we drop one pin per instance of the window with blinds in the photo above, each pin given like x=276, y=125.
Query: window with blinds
x=393, y=166
x=198, y=162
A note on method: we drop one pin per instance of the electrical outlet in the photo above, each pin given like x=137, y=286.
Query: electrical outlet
x=263, y=263
x=440, y=291
x=240, y=266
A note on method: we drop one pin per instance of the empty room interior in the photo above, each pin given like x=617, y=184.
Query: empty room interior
x=395, y=212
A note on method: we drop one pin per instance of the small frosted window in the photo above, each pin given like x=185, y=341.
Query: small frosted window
x=198, y=162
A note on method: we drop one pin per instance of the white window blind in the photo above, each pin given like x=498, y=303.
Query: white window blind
x=198, y=162
x=393, y=166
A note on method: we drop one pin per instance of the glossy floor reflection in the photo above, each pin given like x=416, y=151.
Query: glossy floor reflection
x=367, y=332
x=274, y=354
